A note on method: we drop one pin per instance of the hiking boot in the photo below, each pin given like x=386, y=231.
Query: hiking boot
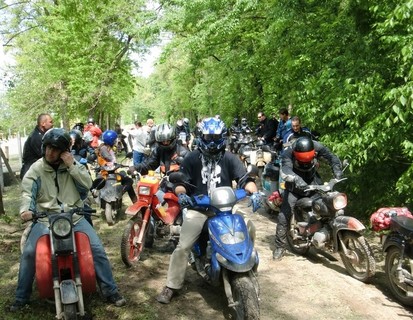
x=17, y=306
x=117, y=300
x=165, y=296
x=278, y=253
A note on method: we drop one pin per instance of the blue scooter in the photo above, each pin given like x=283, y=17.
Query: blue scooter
x=225, y=250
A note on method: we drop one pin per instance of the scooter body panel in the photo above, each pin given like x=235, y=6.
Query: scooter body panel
x=44, y=269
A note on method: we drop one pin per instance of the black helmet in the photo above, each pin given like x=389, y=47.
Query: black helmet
x=304, y=153
x=91, y=120
x=57, y=138
x=76, y=137
x=79, y=126
x=165, y=133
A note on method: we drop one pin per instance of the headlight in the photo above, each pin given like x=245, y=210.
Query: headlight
x=61, y=227
x=228, y=238
x=144, y=190
x=340, y=201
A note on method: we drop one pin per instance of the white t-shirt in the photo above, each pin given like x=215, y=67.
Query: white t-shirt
x=139, y=136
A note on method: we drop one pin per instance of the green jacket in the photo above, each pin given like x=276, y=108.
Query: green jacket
x=45, y=189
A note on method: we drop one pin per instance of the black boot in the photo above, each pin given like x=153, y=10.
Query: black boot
x=278, y=253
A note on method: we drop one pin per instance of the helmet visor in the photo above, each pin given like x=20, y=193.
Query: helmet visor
x=304, y=157
x=217, y=138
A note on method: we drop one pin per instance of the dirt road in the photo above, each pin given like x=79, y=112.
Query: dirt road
x=296, y=287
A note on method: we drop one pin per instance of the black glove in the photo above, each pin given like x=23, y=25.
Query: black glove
x=300, y=183
x=338, y=174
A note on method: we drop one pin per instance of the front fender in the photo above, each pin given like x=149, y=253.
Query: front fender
x=136, y=207
x=393, y=239
x=348, y=223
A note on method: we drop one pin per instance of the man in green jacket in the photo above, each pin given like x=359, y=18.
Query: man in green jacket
x=52, y=183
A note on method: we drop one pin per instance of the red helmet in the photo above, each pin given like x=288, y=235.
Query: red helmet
x=304, y=153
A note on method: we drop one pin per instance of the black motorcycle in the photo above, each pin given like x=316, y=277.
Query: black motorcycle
x=398, y=248
x=318, y=221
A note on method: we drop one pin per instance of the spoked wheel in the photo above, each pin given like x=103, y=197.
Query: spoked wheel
x=400, y=289
x=359, y=262
x=70, y=311
x=246, y=304
x=109, y=214
x=130, y=250
x=297, y=243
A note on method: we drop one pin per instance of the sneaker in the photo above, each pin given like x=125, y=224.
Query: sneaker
x=278, y=253
x=166, y=295
x=18, y=305
x=117, y=300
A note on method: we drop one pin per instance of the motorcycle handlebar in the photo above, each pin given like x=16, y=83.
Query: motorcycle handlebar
x=80, y=211
x=324, y=187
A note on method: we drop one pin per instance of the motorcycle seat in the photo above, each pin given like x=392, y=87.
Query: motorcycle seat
x=402, y=224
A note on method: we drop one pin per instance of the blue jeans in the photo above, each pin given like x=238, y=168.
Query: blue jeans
x=138, y=157
x=27, y=270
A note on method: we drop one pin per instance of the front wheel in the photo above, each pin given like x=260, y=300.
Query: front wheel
x=246, y=305
x=109, y=214
x=359, y=260
x=130, y=250
x=70, y=311
x=400, y=289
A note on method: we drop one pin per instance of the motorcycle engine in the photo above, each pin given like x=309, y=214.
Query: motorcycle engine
x=320, y=238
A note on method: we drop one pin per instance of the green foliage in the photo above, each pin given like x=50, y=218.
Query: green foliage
x=73, y=58
x=344, y=67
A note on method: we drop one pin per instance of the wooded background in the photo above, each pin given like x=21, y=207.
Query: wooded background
x=345, y=67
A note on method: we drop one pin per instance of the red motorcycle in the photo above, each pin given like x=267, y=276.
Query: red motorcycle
x=64, y=264
x=155, y=214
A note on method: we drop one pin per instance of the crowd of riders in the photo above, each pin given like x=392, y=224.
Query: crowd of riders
x=206, y=163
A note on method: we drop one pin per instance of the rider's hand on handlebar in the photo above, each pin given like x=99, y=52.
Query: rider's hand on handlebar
x=300, y=183
x=26, y=215
x=185, y=201
x=131, y=171
x=338, y=174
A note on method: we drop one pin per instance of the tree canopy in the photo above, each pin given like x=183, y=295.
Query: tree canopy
x=344, y=67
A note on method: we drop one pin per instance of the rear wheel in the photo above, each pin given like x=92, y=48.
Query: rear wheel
x=109, y=214
x=359, y=261
x=297, y=243
x=130, y=250
x=245, y=297
x=70, y=311
x=399, y=289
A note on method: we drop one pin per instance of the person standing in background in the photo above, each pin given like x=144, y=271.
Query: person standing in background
x=150, y=128
x=121, y=137
x=267, y=128
x=139, y=138
x=95, y=131
x=32, y=150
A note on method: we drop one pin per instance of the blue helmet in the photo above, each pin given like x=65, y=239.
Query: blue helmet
x=109, y=137
x=213, y=138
